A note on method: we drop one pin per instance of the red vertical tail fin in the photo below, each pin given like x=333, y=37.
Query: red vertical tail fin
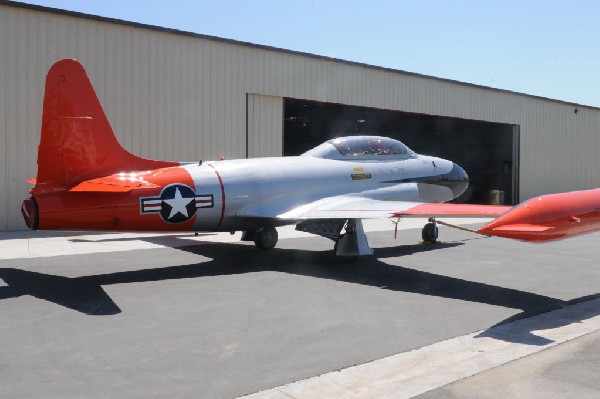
x=77, y=142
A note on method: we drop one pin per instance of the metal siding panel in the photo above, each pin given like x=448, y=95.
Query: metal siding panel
x=238, y=113
x=185, y=125
x=21, y=102
x=265, y=125
x=218, y=75
x=4, y=132
x=205, y=93
x=159, y=76
x=15, y=112
x=144, y=98
x=226, y=105
x=153, y=109
x=212, y=94
x=250, y=126
x=171, y=101
x=5, y=93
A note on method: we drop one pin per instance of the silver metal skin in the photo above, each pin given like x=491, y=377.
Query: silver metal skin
x=336, y=184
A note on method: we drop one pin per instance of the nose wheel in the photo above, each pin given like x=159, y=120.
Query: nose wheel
x=266, y=238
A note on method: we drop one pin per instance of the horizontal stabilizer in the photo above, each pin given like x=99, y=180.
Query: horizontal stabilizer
x=111, y=184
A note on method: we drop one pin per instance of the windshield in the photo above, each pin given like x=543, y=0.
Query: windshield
x=369, y=146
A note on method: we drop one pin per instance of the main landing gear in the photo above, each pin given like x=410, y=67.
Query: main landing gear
x=265, y=238
x=353, y=242
x=347, y=234
x=349, y=244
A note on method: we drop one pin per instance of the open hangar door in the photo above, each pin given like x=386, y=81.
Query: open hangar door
x=489, y=152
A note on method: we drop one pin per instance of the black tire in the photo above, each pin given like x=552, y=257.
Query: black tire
x=266, y=238
x=429, y=232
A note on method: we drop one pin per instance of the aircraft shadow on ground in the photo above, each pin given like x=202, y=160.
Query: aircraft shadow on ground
x=86, y=295
x=159, y=239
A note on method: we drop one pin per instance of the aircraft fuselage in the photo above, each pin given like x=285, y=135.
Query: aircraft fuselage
x=211, y=196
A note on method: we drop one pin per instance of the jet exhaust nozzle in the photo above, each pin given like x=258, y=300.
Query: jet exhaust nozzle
x=31, y=213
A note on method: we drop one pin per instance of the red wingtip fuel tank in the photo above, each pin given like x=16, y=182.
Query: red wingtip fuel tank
x=549, y=217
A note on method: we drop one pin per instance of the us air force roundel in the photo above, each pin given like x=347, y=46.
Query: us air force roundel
x=177, y=203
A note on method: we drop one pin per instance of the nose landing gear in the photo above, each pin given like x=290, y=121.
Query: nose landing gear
x=430, y=231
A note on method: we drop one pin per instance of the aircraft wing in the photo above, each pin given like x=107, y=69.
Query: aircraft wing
x=347, y=207
x=357, y=207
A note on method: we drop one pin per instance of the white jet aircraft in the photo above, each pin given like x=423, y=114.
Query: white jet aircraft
x=87, y=181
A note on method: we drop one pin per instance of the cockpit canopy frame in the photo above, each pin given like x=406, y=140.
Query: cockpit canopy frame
x=354, y=148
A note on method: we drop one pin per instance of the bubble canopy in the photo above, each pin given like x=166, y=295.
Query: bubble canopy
x=354, y=147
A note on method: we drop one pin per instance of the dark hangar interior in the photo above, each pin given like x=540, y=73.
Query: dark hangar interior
x=487, y=151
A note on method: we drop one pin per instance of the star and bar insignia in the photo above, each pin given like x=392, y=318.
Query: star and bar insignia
x=177, y=203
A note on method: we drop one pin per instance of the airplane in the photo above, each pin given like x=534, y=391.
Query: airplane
x=87, y=181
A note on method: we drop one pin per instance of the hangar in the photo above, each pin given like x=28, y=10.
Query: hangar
x=177, y=95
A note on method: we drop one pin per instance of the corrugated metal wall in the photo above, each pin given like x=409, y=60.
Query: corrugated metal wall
x=183, y=97
x=265, y=126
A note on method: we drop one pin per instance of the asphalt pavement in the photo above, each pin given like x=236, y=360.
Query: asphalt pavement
x=153, y=316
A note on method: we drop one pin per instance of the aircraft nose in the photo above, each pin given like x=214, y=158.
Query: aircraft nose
x=459, y=180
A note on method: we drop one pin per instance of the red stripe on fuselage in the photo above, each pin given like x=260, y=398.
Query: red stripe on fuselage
x=222, y=196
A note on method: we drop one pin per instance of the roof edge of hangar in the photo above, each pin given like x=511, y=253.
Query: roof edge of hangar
x=157, y=28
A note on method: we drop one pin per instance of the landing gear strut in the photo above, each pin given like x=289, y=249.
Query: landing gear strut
x=430, y=231
x=353, y=242
x=348, y=235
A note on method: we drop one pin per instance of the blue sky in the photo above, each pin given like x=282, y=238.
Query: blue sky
x=546, y=48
